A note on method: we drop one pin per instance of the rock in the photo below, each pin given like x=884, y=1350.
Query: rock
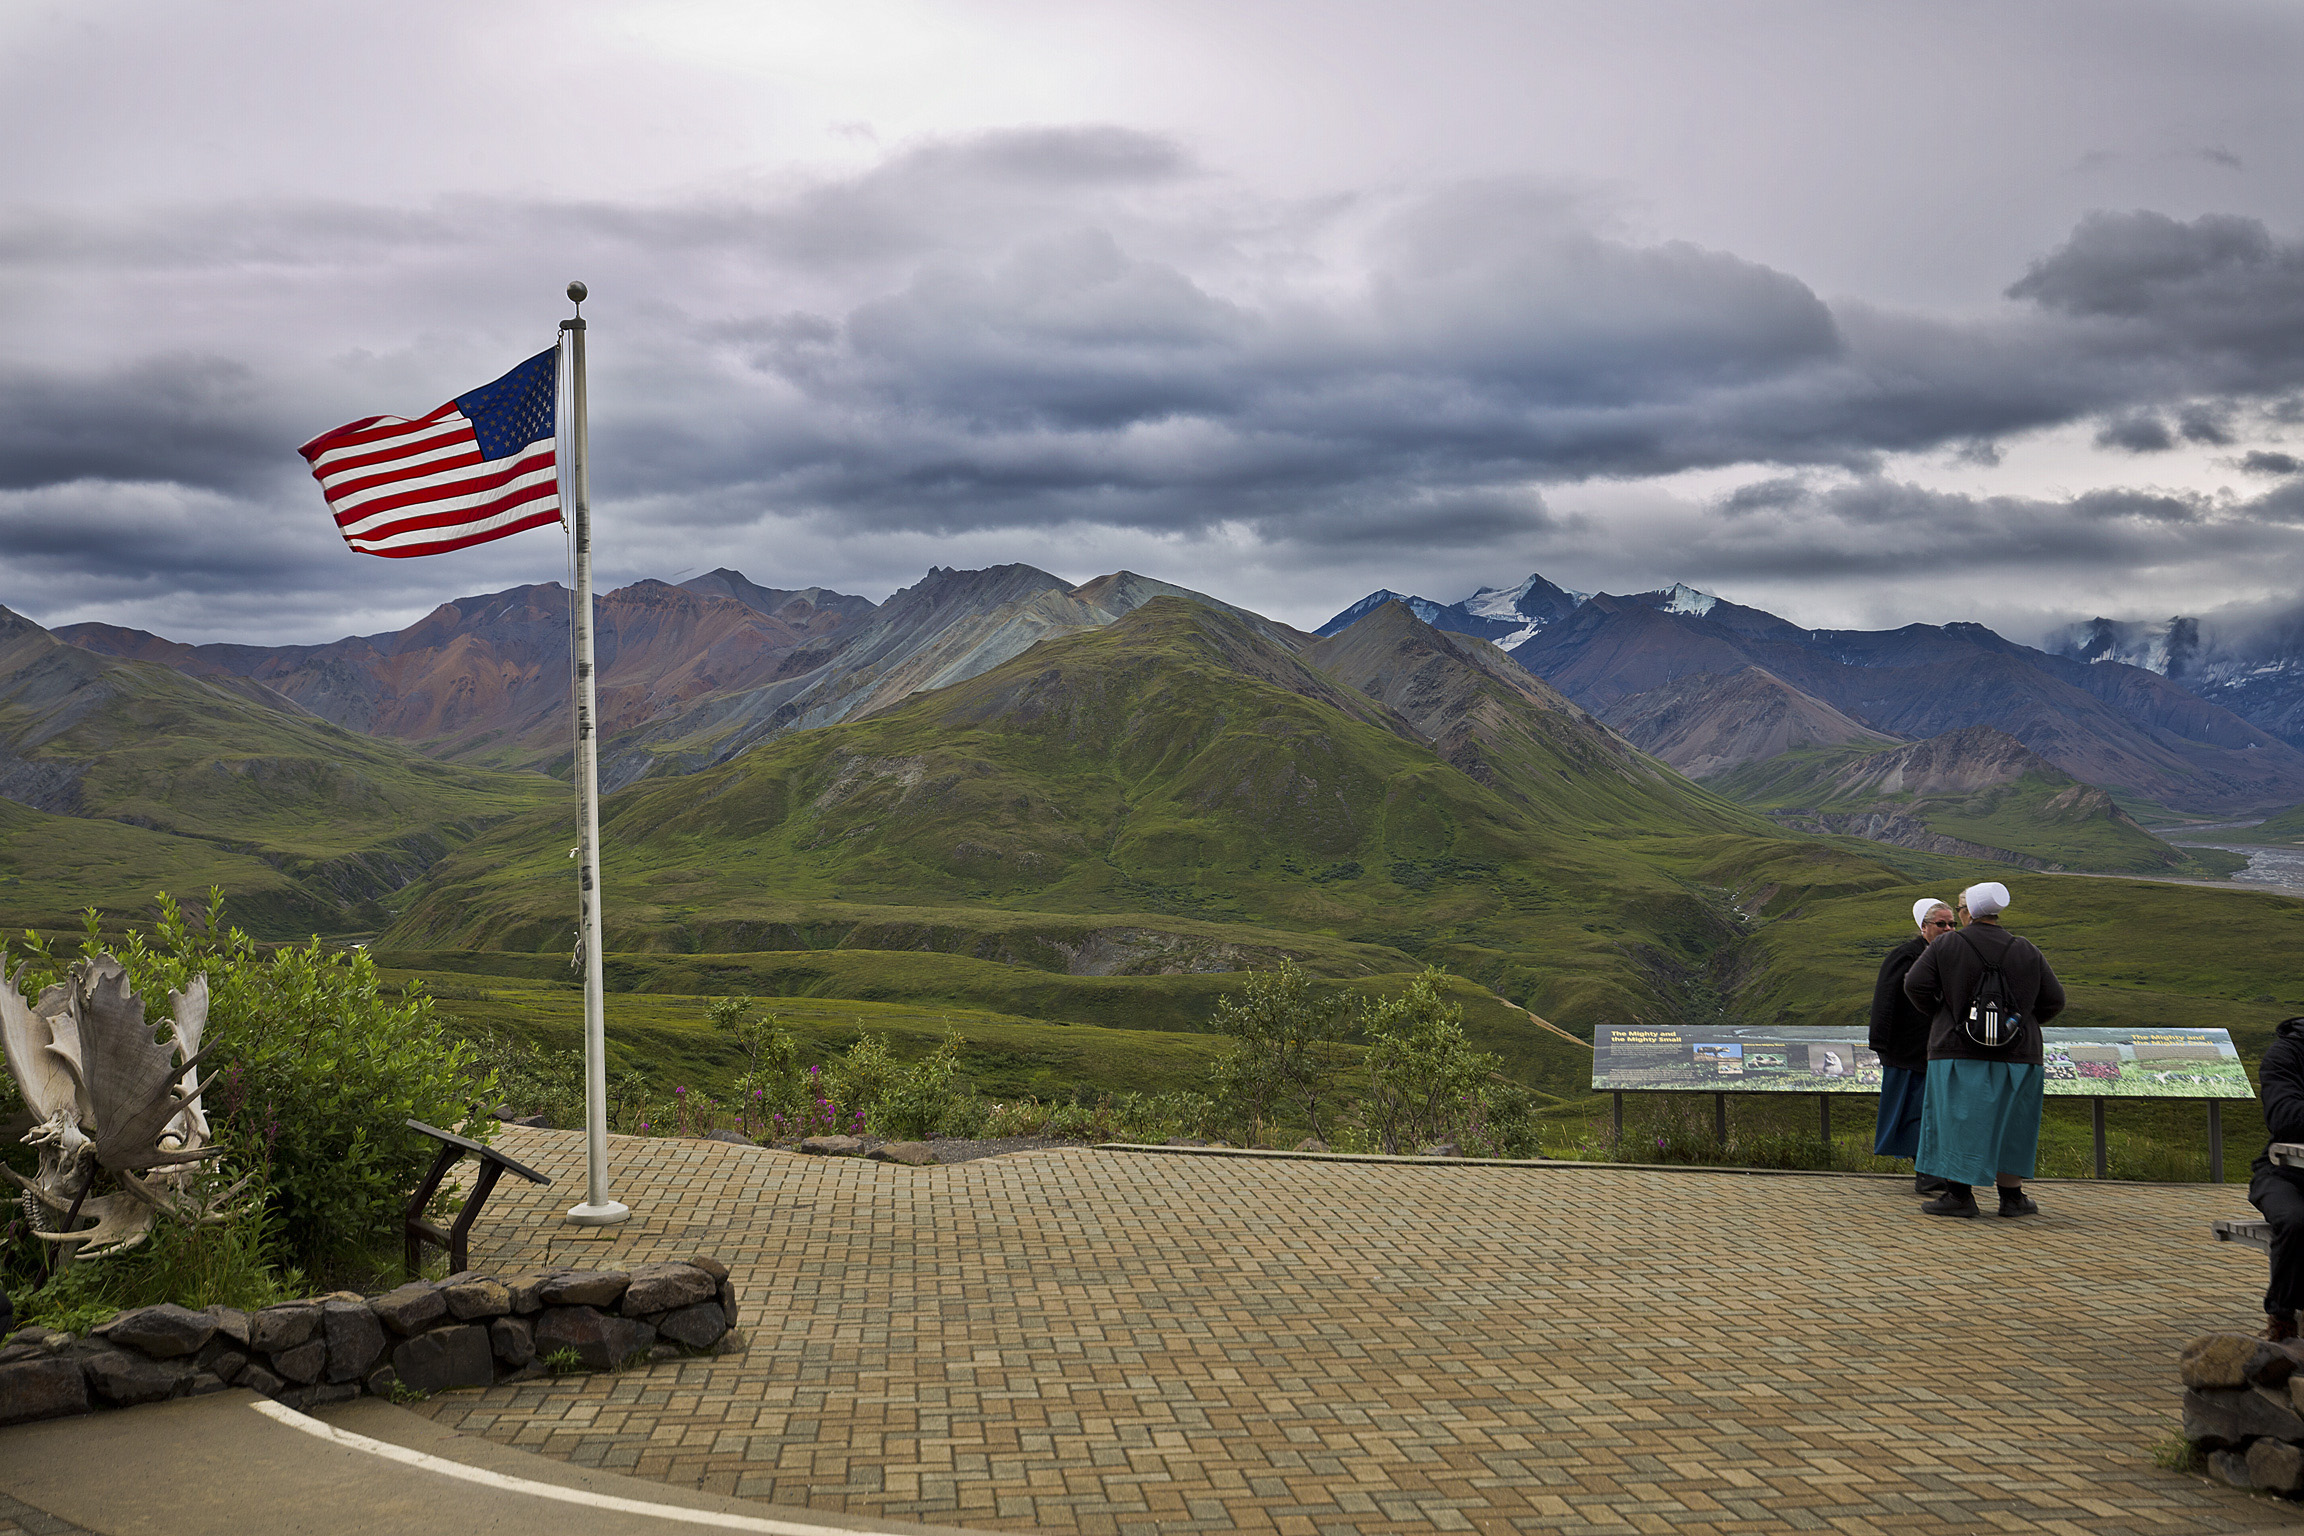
x=477, y=1299
x=2227, y=1360
x=661, y=1352
x=304, y=1364
x=601, y=1342
x=696, y=1327
x=44, y=1386
x=1310, y=1144
x=2276, y=1466
x=2217, y=1420
x=329, y=1393
x=125, y=1379
x=257, y=1379
x=11, y=1353
x=381, y=1381
x=916, y=1154
x=163, y=1332
x=832, y=1146
x=662, y=1287
x=1184, y=1141
x=231, y=1323
x=2231, y=1466
x=50, y=1339
x=584, y=1288
x=728, y=1301
x=283, y=1327
x=455, y=1356
x=222, y=1358
x=410, y=1308
x=711, y=1266
x=733, y=1138
x=526, y=1291
x=201, y=1383
x=1448, y=1149
x=512, y=1340
x=355, y=1339
x=533, y=1370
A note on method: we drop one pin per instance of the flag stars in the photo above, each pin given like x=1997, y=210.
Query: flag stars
x=515, y=410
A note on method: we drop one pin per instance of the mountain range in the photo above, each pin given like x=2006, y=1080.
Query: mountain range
x=2251, y=661
x=998, y=785
x=1709, y=685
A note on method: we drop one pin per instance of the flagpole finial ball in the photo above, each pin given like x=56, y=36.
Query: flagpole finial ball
x=577, y=291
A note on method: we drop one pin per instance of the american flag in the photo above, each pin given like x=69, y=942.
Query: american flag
x=478, y=468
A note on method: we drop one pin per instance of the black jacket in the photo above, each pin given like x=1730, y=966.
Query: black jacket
x=1944, y=978
x=1899, y=1028
x=2280, y=1084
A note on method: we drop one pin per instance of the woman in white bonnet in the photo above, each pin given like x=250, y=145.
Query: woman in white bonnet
x=1980, y=1117
x=1899, y=1037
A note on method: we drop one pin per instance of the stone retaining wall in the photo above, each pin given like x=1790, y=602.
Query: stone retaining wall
x=2244, y=1409
x=470, y=1330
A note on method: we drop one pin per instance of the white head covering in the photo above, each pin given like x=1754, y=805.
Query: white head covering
x=1924, y=906
x=1986, y=899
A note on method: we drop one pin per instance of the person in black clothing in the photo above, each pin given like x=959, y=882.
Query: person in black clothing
x=1980, y=1120
x=2276, y=1191
x=1899, y=1038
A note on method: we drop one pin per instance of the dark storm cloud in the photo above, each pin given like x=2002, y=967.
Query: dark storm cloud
x=2261, y=462
x=2137, y=432
x=1066, y=328
x=200, y=421
x=2221, y=289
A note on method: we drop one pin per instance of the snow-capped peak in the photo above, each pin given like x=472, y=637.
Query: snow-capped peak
x=1504, y=602
x=1684, y=598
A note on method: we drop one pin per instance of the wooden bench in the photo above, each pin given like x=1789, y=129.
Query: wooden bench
x=493, y=1166
x=2258, y=1234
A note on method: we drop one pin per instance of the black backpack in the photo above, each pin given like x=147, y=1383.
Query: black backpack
x=1993, y=1019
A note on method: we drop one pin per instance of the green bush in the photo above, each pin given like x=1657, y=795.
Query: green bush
x=1286, y=1049
x=920, y=1100
x=864, y=1075
x=315, y=1070
x=1425, y=1081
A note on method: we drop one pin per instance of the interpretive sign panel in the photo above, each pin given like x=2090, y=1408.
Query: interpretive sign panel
x=2081, y=1063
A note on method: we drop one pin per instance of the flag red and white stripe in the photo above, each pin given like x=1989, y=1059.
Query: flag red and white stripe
x=425, y=487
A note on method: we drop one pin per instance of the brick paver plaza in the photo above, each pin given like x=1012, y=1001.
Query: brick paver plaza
x=1119, y=1342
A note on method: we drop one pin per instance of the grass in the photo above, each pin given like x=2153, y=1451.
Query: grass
x=1010, y=1053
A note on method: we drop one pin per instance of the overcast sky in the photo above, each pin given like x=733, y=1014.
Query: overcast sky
x=1861, y=313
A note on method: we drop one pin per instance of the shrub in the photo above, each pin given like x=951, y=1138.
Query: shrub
x=1424, y=1079
x=1154, y=1117
x=1286, y=1047
x=1014, y=1117
x=865, y=1074
x=920, y=1099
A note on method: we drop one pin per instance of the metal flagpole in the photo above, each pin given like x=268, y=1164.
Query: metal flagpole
x=597, y=1210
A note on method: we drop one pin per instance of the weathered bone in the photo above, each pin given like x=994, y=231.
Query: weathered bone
x=107, y=1091
x=121, y=1223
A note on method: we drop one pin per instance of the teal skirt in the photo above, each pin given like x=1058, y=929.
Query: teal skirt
x=1979, y=1119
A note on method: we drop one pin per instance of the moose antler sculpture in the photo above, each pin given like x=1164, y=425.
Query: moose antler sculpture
x=107, y=1098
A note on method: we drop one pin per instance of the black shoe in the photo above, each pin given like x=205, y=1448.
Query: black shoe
x=1957, y=1200
x=1929, y=1184
x=2014, y=1202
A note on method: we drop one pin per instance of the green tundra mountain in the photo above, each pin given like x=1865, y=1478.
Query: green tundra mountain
x=1974, y=793
x=222, y=781
x=1172, y=796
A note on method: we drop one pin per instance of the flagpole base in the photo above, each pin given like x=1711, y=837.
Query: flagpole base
x=606, y=1214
